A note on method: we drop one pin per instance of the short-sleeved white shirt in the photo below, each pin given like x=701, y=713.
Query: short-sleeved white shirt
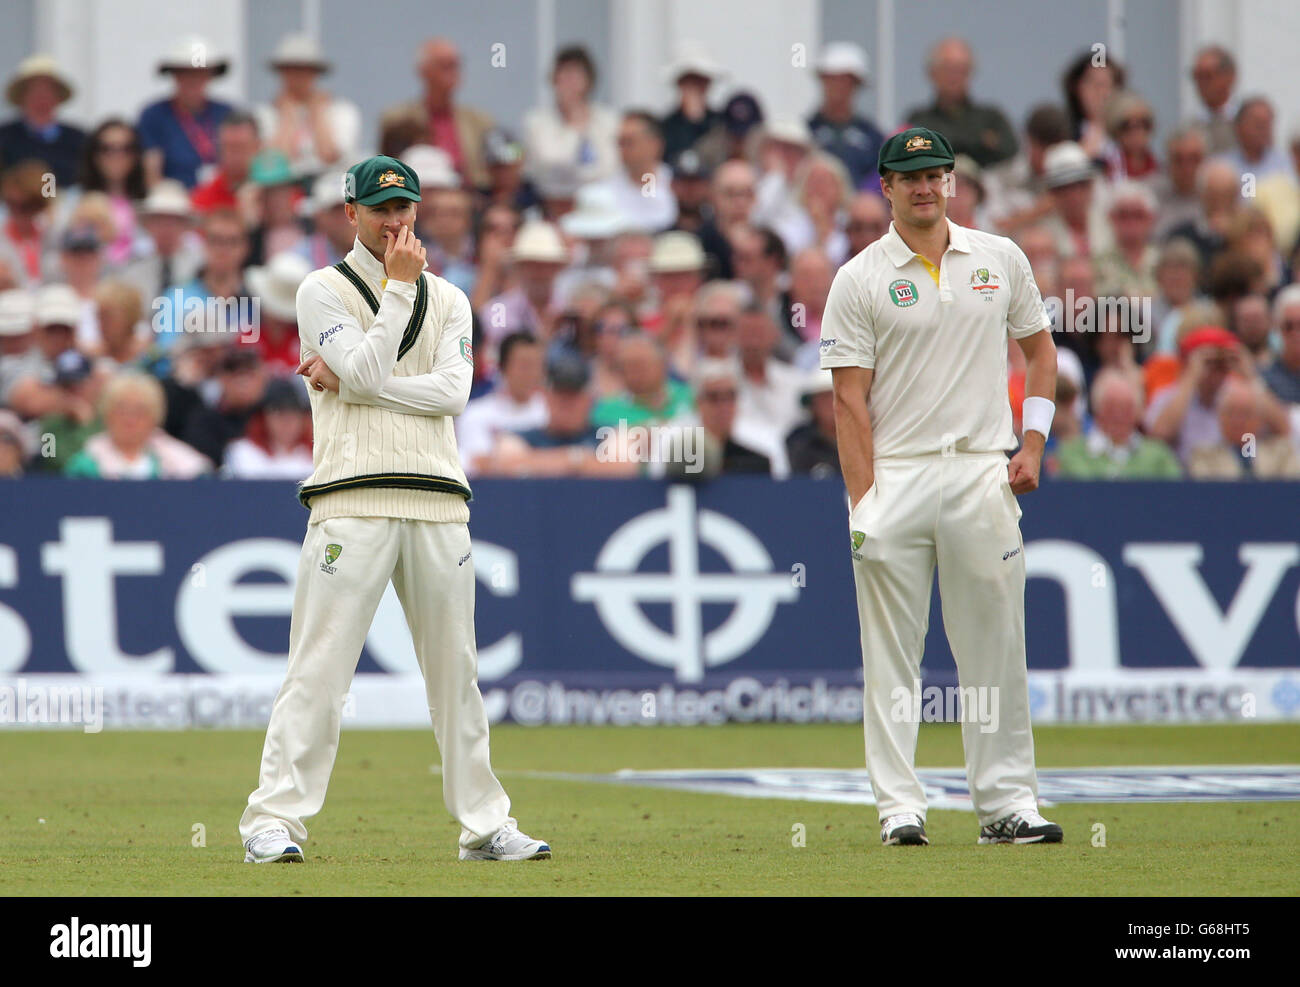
x=939, y=353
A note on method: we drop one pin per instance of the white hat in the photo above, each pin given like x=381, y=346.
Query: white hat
x=843, y=58
x=167, y=198
x=299, y=51
x=557, y=180
x=36, y=67
x=597, y=216
x=57, y=305
x=193, y=52
x=539, y=241
x=788, y=130
x=676, y=252
x=692, y=59
x=277, y=283
x=716, y=368
x=432, y=166
x=1131, y=191
x=326, y=193
x=17, y=312
x=1065, y=164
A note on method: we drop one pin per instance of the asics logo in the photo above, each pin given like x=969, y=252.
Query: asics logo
x=1011, y=554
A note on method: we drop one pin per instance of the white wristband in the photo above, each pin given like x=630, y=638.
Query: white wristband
x=1036, y=415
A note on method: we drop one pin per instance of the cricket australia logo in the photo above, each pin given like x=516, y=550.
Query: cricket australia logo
x=857, y=538
x=332, y=552
x=902, y=293
x=619, y=587
x=984, y=282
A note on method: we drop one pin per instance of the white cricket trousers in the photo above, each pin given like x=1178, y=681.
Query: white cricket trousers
x=956, y=511
x=334, y=605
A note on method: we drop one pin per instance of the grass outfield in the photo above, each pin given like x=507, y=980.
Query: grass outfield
x=119, y=812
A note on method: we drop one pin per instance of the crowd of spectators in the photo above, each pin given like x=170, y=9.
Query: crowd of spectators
x=634, y=267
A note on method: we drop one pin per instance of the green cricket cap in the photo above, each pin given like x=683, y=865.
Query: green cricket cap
x=379, y=179
x=914, y=149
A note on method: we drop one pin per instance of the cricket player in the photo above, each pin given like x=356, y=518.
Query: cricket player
x=915, y=335
x=386, y=351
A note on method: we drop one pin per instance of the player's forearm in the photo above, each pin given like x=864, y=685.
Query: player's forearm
x=854, y=441
x=362, y=361
x=1170, y=420
x=437, y=393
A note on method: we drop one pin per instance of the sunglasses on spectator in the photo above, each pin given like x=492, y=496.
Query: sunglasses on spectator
x=1137, y=123
x=115, y=148
x=717, y=397
x=715, y=322
x=615, y=328
x=225, y=241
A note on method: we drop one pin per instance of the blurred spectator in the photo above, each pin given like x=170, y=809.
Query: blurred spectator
x=177, y=252
x=276, y=288
x=1215, y=74
x=1128, y=268
x=759, y=259
x=179, y=134
x=642, y=185
x=691, y=190
x=1283, y=375
x=1017, y=195
x=21, y=361
x=1088, y=83
x=1240, y=452
x=1069, y=177
x=783, y=152
x=979, y=130
x=868, y=221
x=732, y=194
x=1255, y=151
x=331, y=235
x=717, y=316
x=538, y=257
x=436, y=118
x=516, y=404
x=557, y=191
x=769, y=388
x=26, y=222
x=277, y=443
x=17, y=445
x=1113, y=448
x=507, y=185
x=966, y=204
x=837, y=127
x=717, y=390
x=1040, y=248
x=113, y=165
x=445, y=231
x=132, y=446
x=1251, y=321
x=574, y=131
x=1250, y=235
x=37, y=89
x=824, y=192
x=1177, y=273
x=1219, y=194
x=238, y=142
x=494, y=245
x=186, y=308
x=81, y=263
x=64, y=431
x=1185, y=415
x=812, y=448
x=648, y=395
x=31, y=389
x=692, y=124
x=120, y=312
x=314, y=130
x=1131, y=125
x=595, y=224
x=811, y=272
x=1175, y=186
x=741, y=116
x=274, y=194
x=189, y=375
x=242, y=379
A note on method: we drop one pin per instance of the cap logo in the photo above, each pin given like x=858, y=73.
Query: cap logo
x=390, y=178
x=917, y=143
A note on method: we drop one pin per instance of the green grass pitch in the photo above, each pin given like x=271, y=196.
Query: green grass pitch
x=115, y=814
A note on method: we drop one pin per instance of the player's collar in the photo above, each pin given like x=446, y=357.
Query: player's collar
x=365, y=263
x=899, y=253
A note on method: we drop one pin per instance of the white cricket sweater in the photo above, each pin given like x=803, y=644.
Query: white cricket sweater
x=384, y=445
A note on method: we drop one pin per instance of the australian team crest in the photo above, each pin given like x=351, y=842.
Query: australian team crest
x=332, y=552
x=391, y=178
x=857, y=538
x=917, y=143
x=984, y=282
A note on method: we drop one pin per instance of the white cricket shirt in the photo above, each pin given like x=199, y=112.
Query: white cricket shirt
x=936, y=339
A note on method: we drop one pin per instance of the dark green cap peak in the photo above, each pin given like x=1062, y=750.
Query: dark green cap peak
x=914, y=149
x=378, y=179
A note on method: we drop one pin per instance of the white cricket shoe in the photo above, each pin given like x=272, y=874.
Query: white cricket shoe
x=903, y=829
x=1025, y=826
x=507, y=843
x=273, y=846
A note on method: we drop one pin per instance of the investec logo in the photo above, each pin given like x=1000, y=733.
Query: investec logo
x=618, y=590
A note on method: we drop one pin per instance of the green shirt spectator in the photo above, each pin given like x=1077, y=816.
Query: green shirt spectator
x=979, y=130
x=1095, y=457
